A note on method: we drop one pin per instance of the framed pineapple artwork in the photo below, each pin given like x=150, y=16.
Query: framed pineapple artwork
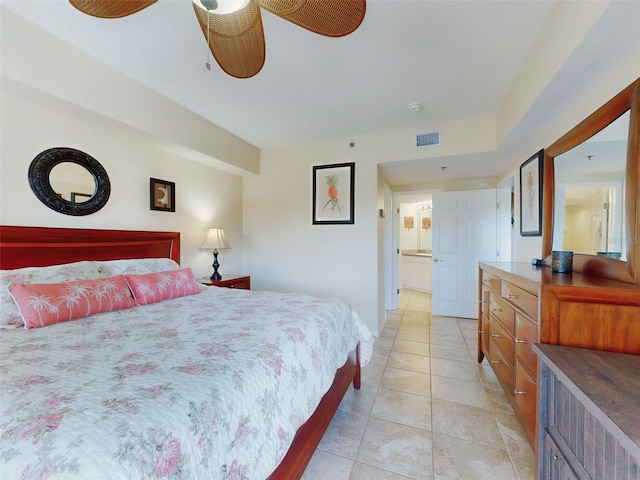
x=333, y=194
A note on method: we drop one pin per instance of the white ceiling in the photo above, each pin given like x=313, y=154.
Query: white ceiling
x=457, y=58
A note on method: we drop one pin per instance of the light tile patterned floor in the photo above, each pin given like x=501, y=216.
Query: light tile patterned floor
x=426, y=410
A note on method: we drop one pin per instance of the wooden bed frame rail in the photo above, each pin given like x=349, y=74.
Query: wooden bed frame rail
x=309, y=435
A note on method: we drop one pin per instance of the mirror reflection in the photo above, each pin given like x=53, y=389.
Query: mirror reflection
x=589, y=194
x=72, y=182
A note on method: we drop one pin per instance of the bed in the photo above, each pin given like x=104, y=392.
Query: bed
x=219, y=383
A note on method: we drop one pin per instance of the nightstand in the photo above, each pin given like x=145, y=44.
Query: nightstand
x=242, y=282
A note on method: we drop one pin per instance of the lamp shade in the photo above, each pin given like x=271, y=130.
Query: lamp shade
x=215, y=239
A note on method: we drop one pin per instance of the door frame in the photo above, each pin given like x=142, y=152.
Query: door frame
x=393, y=252
x=506, y=218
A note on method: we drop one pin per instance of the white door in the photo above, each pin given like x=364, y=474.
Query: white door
x=464, y=233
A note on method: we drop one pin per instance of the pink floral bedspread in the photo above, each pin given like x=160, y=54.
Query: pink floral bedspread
x=210, y=386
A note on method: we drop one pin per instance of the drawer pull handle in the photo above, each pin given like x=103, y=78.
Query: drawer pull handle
x=512, y=296
x=481, y=332
x=494, y=309
x=519, y=340
x=495, y=362
x=496, y=335
x=519, y=392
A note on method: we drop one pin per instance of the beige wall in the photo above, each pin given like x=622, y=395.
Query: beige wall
x=49, y=70
x=282, y=248
x=66, y=98
x=204, y=196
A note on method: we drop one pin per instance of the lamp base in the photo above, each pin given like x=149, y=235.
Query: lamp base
x=216, y=265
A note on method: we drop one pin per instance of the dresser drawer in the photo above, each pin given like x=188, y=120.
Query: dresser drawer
x=503, y=312
x=491, y=281
x=503, y=370
x=503, y=339
x=526, y=393
x=244, y=284
x=526, y=335
x=555, y=464
x=523, y=300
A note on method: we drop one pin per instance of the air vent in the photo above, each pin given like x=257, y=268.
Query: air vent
x=428, y=139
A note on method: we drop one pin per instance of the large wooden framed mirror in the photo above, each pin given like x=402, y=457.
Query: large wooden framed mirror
x=591, y=201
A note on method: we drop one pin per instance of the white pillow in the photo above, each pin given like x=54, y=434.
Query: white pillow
x=67, y=272
x=137, y=266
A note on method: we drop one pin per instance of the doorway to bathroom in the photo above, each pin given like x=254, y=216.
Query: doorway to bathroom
x=412, y=244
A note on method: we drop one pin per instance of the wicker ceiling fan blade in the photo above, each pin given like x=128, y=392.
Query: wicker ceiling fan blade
x=332, y=18
x=111, y=8
x=235, y=39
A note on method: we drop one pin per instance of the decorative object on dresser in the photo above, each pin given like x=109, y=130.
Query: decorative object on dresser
x=162, y=195
x=589, y=403
x=561, y=261
x=241, y=282
x=333, y=194
x=55, y=173
x=531, y=195
x=214, y=240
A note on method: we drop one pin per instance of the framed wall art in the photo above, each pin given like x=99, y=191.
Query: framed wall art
x=531, y=196
x=333, y=194
x=162, y=195
x=408, y=222
x=77, y=197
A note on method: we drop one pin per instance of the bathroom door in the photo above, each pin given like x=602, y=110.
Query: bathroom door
x=464, y=233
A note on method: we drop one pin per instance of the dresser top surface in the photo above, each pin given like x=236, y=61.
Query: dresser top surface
x=531, y=277
x=610, y=381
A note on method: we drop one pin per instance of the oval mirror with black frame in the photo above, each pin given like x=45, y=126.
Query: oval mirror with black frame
x=614, y=258
x=69, y=181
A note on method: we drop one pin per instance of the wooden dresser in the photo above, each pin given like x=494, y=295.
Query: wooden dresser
x=589, y=418
x=521, y=304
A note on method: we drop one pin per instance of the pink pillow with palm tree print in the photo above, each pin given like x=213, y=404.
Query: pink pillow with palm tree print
x=43, y=304
x=158, y=286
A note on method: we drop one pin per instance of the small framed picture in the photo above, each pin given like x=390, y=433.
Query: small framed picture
x=531, y=196
x=333, y=194
x=77, y=197
x=162, y=195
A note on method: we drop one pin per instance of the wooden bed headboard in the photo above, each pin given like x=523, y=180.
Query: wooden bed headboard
x=42, y=246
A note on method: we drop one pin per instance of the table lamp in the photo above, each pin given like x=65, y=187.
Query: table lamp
x=214, y=240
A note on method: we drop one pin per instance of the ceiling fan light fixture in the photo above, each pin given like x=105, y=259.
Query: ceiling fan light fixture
x=233, y=28
x=222, y=7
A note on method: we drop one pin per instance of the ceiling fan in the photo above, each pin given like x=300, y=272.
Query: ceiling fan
x=233, y=28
